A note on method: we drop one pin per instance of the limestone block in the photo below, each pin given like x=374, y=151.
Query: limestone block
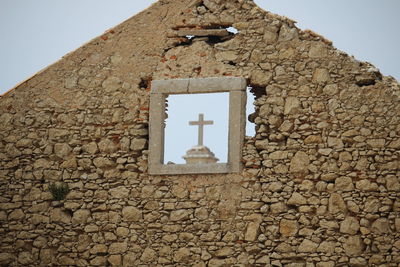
x=287, y=33
x=317, y=50
x=71, y=82
x=284, y=247
x=326, y=264
x=335, y=142
x=292, y=105
x=46, y=256
x=201, y=213
x=129, y=259
x=38, y=219
x=16, y=215
x=131, y=214
x=112, y=84
x=288, y=227
x=62, y=150
x=97, y=261
x=85, y=163
x=148, y=255
x=25, y=258
x=138, y=144
x=327, y=247
x=170, y=238
x=84, y=242
x=179, y=215
x=321, y=76
x=278, y=207
x=6, y=258
x=90, y=148
x=118, y=248
x=57, y=215
x=350, y=225
x=270, y=37
x=91, y=228
x=41, y=163
x=362, y=164
x=299, y=163
x=278, y=155
x=182, y=255
x=372, y=205
x=353, y=207
x=286, y=126
x=313, y=139
x=275, y=186
x=99, y=249
x=179, y=191
x=216, y=263
x=224, y=252
x=115, y=260
x=257, y=56
x=336, y=203
x=24, y=143
x=306, y=185
x=107, y=146
x=353, y=246
x=125, y=143
x=345, y=156
x=81, y=216
x=393, y=183
x=344, y=184
x=381, y=226
x=252, y=231
x=251, y=205
x=262, y=144
x=307, y=246
x=58, y=133
x=376, y=143
x=120, y=192
x=297, y=199
x=395, y=144
x=103, y=162
x=3, y=216
x=5, y=120
x=397, y=224
x=260, y=78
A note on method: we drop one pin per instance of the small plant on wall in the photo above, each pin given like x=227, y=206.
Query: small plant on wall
x=59, y=191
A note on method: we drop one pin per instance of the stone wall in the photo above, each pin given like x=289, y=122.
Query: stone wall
x=321, y=180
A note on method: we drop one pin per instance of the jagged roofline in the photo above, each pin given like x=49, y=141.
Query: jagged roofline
x=76, y=49
x=189, y=4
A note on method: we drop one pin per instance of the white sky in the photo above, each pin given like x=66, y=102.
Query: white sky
x=37, y=33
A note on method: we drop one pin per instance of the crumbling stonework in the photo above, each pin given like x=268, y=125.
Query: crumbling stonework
x=321, y=180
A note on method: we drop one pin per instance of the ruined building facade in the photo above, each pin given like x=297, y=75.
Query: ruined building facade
x=320, y=182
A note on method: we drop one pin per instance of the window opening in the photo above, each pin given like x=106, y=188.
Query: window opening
x=180, y=136
x=161, y=90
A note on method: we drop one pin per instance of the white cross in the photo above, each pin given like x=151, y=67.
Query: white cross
x=201, y=122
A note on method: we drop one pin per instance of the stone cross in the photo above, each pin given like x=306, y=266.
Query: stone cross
x=201, y=122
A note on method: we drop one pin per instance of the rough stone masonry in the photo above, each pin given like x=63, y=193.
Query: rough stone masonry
x=320, y=184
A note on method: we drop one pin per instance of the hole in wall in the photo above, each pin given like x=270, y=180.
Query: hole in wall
x=257, y=91
x=250, y=112
x=144, y=82
x=180, y=136
x=232, y=29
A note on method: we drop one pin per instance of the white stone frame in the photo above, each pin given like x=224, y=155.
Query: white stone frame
x=160, y=89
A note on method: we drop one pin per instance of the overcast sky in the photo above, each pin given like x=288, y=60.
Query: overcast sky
x=37, y=33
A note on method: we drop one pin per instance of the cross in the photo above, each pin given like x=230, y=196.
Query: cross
x=201, y=122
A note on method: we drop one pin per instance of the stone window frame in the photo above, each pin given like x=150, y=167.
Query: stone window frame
x=161, y=89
